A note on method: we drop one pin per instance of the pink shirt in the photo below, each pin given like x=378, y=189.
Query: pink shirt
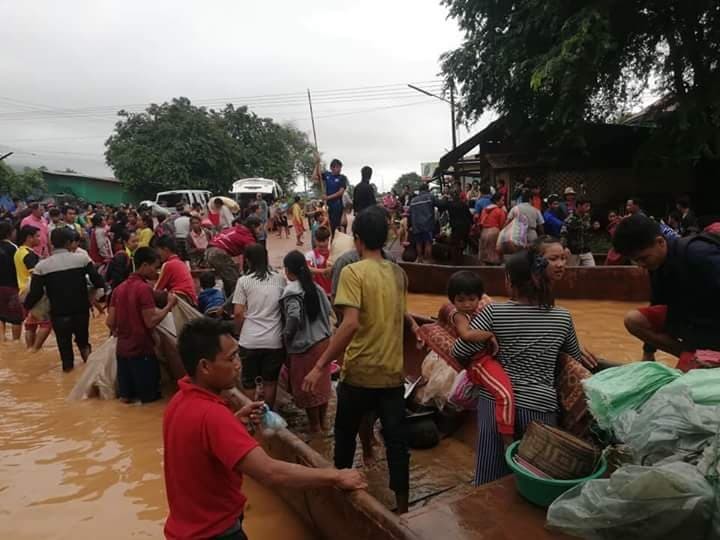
x=39, y=223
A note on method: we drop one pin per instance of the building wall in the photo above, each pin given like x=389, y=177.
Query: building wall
x=89, y=189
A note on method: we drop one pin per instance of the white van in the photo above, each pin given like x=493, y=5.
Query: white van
x=170, y=199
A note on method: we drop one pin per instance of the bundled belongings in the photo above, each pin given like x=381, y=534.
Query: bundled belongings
x=99, y=379
x=616, y=390
x=669, y=427
x=667, y=502
x=100, y=374
x=672, y=489
x=703, y=384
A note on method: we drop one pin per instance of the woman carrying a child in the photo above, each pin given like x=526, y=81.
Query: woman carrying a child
x=531, y=332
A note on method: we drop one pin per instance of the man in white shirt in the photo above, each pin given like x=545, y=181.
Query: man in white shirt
x=182, y=230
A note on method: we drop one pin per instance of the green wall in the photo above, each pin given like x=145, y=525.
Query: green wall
x=87, y=188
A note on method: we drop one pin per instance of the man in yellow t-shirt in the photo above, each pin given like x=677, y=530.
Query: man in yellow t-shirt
x=37, y=322
x=372, y=296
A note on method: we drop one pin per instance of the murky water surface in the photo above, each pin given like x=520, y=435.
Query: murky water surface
x=93, y=469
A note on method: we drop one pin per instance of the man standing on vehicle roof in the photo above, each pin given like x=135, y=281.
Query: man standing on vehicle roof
x=335, y=186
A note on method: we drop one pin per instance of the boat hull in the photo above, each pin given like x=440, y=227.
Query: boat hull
x=623, y=283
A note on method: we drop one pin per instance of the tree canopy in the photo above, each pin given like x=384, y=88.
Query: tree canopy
x=177, y=145
x=555, y=64
x=411, y=179
x=20, y=184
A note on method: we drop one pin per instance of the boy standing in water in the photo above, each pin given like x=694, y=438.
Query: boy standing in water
x=372, y=295
x=132, y=317
x=207, y=448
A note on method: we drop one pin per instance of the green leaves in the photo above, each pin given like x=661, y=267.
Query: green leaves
x=553, y=65
x=177, y=145
x=22, y=184
x=411, y=179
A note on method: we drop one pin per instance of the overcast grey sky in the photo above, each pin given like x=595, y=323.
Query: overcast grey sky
x=101, y=54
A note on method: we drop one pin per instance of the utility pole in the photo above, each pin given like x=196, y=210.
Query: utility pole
x=452, y=114
x=452, y=108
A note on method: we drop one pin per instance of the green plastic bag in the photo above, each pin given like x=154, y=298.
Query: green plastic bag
x=704, y=385
x=616, y=390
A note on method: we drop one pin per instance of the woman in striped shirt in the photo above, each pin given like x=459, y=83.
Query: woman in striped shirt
x=531, y=332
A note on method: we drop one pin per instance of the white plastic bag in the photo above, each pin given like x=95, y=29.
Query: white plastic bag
x=669, y=427
x=440, y=377
x=668, y=502
x=99, y=377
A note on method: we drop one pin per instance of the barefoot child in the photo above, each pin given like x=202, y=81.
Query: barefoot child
x=466, y=292
x=307, y=334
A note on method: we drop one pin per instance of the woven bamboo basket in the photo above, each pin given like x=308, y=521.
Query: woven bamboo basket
x=557, y=453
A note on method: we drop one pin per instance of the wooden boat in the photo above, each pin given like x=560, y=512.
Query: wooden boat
x=623, y=283
x=456, y=510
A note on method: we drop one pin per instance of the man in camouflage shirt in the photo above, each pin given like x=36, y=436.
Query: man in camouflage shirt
x=576, y=233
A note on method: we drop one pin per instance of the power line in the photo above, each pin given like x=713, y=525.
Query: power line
x=368, y=93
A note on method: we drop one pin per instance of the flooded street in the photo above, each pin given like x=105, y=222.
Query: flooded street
x=93, y=469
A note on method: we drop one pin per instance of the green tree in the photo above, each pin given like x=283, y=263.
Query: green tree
x=411, y=179
x=21, y=184
x=171, y=146
x=177, y=145
x=554, y=65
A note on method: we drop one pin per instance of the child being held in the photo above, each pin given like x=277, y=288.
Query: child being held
x=210, y=299
x=467, y=294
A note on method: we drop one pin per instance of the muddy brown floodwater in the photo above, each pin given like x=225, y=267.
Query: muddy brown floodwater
x=93, y=469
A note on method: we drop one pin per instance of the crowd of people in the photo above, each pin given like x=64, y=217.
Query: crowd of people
x=488, y=222
x=59, y=264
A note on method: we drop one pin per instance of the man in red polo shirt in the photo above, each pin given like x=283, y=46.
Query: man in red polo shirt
x=207, y=449
x=175, y=276
x=132, y=317
x=228, y=244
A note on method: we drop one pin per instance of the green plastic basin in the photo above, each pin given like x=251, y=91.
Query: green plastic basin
x=541, y=491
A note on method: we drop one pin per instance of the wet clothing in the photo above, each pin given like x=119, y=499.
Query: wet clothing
x=25, y=260
x=138, y=378
x=388, y=404
x=130, y=299
x=63, y=276
x=203, y=443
